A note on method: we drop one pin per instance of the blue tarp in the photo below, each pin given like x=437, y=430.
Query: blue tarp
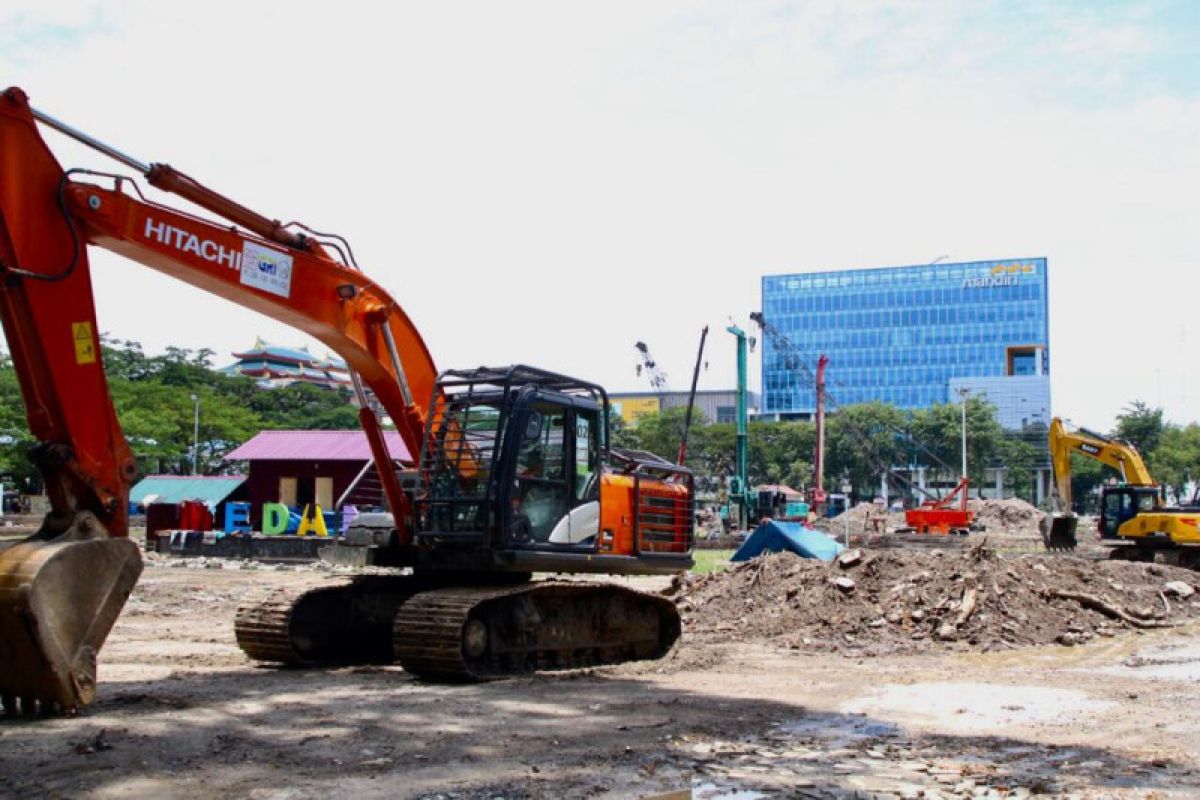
x=775, y=537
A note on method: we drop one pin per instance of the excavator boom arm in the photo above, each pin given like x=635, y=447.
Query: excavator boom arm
x=1124, y=458
x=62, y=590
x=48, y=218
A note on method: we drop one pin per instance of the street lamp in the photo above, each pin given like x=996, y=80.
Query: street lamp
x=196, y=434
x=962, y=392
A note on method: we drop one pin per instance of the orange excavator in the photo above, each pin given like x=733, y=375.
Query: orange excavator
x=515, y=474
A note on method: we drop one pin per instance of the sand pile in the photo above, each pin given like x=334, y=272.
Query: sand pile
x=895, y=601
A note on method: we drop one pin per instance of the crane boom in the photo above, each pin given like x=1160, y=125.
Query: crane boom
x=658, y=378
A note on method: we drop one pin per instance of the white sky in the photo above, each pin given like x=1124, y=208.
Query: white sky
x=550, y=182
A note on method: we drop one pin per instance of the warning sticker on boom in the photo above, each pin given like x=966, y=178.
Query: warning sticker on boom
x=85, y=342
x=266, y=269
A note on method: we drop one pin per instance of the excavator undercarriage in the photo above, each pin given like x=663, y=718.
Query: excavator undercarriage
x=458, y=632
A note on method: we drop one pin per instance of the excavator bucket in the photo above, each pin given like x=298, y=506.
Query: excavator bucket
x=1058, y=531
x=58, y=602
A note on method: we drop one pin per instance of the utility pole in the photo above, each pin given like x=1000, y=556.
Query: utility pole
x=196, y=435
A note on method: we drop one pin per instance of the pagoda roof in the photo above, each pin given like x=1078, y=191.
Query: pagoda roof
x=300, y=355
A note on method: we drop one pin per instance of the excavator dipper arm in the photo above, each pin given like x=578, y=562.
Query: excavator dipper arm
x=61, y=590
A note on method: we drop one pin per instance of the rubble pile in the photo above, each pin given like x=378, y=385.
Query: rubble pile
x=862, y=518
x=895, y=601
x=1010, y=516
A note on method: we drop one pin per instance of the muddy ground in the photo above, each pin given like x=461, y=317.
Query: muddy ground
x=182, y=713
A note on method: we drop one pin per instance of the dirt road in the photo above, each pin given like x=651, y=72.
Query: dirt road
x=182, y=713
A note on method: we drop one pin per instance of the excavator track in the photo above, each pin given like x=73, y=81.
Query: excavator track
x=346, y=621
x=476, y=633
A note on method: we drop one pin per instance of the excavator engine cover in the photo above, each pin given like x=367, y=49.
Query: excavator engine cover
x=58, y=602
x=1058, y=531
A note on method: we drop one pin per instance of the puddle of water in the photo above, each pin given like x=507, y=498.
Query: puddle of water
x=842, y=730
x=1165, y=662
x=974, y=707
x=710, y=791
x=1097, y=652
x=707, y=791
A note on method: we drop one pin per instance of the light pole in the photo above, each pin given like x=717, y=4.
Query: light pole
x=962, y=392
x=196, y=434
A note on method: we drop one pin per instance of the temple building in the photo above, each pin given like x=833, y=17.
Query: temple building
x=272, y=365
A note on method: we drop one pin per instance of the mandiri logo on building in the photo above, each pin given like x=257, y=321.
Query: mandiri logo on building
x=999, y=275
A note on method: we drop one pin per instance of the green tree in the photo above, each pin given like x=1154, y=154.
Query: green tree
x=781, y=452
x=1019, y=457
x=152, y=396
x=938, y=429
x=712, y=450
x=1175, y=462
x=15, y=438
x=863, y=442
x=1087, y=474
x=305, y=406
x=1141, y=426
x=659, y=433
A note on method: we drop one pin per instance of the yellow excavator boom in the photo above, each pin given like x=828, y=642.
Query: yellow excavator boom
x=1124, y=458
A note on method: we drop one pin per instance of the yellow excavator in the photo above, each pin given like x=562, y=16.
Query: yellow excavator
x=1134, y=520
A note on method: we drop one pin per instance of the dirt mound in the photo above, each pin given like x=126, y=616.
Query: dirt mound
x=1009, y=516
x=883, y=602
x=862, y=518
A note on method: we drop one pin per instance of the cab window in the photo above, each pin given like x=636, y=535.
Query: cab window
x=542, y=491
x=586, y=455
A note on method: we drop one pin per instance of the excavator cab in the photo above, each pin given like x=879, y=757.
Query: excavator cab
x=509, y=459
x=516, y=474
x=1119, y=504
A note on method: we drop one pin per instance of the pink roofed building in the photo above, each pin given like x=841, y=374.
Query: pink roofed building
x=329, y=468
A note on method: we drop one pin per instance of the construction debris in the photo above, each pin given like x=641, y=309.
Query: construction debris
x=1008, y=517
x=893, y=601
x=1011, y=516
x=862, y=518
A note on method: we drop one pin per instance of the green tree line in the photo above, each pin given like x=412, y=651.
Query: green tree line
x=153, y=400
x=861, y=442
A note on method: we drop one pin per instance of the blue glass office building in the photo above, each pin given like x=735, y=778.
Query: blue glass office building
x=912, y=336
